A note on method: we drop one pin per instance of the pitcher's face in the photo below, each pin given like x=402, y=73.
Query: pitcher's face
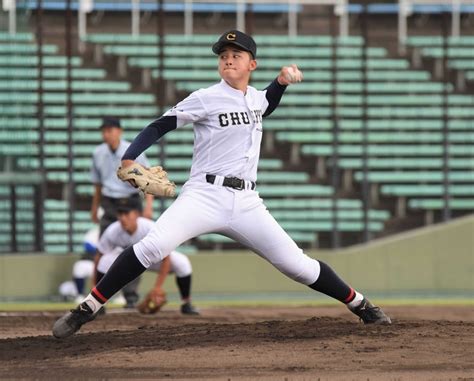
x=236, y=65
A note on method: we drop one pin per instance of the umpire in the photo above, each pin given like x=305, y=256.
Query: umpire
x=109, y=189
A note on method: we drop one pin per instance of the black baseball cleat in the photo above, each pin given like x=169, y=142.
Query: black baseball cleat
x=370, y=314
x=189, y=309
x=72, y=321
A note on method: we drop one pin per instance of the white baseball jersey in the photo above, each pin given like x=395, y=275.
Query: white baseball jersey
x=115, y=239
x=228, y=134
x=227, y=129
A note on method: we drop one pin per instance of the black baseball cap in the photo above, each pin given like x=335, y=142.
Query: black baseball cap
x=110, y=122
x=237, y=38
x=128, y=204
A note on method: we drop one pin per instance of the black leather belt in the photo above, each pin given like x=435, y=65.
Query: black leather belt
x=231, y=182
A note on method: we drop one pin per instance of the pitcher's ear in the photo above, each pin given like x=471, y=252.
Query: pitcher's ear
x=253, y=65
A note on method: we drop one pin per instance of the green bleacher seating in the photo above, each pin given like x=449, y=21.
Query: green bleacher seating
x=407, y=163
x=143, y=111
x=461, y=64
x=17, y=110
x=375, y=137
x=341, y=87
x=388, y=150
x=197, y=51
x=416, y=176
x=311, y=203
x=402, y=190
x=129, y=125
x=372, y=124
x=206, y=39
x=314, y=75
x=308, y=190
x=459, y=50
x=79, y=98
x=404, y=124
x=310, y=64
x=76, y=73
x=423, y=41
x=17, y=60
x=404, y=121
x=24, y=213
x=170, y=163
x=51, y=85
x=327, y=214
x=26, y=49
x=328, y=226
x=429, y=203
x=450, y=53
x=297, y=236
x=17, y=37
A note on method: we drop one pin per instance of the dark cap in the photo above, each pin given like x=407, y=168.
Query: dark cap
x=238, y=39
x=110, y=122
x=128, y=204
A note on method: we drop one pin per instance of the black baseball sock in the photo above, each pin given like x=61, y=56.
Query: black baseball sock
x=184, y=286
x=98, y=276
x=330, y=284
x=125, y=269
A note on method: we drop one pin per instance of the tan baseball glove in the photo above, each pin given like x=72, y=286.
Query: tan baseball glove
x=152, y=302
x=152, y=180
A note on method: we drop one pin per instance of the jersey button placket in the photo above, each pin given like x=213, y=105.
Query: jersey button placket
x=251, y=125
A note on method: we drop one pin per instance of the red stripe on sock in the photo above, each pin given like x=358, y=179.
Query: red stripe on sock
x=350, y=297
x=101, y=298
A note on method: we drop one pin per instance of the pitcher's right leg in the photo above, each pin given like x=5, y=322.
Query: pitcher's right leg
x=193, y=213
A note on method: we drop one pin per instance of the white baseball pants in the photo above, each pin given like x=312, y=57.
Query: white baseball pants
x=239, y=214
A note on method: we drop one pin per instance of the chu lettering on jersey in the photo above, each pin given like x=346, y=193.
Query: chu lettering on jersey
x=239, y=118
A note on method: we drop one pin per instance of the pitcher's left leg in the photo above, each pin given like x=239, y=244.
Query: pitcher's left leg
x=257, y=229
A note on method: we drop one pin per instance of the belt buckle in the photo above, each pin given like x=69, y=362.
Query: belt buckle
x=237, y=183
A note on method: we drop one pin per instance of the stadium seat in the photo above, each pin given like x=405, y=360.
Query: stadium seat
x=426, y=190
x=18, y=60
x=437, y=203
x=78, y=98
x=16, y=37
x=417, y=176
x=26, y=49
x=55, y=85
x=76, y=73
x=407, y=163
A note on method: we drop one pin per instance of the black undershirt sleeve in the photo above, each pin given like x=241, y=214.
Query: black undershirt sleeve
x=149, y=135
x=274, y=93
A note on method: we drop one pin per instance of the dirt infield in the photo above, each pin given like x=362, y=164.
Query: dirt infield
x=300, y=343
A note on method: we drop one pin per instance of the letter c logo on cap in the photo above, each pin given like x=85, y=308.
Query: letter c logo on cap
x=231, y=36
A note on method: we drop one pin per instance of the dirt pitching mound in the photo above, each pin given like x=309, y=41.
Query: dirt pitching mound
x=245, y=343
